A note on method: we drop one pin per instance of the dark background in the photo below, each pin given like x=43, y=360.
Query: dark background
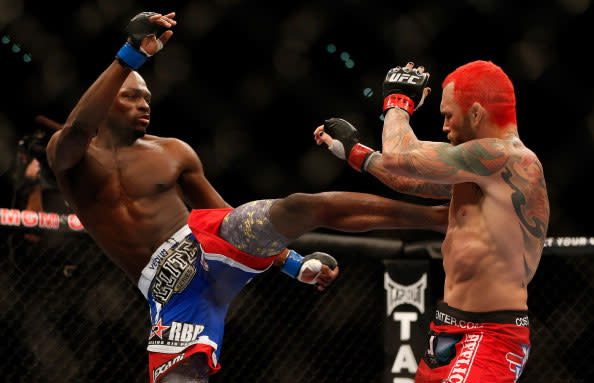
x=246, y=82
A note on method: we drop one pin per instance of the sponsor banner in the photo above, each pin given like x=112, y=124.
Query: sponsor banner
x=408, y=311
x=568, y=245
x=39, y=220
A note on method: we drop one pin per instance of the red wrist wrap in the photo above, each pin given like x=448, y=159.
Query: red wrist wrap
x=399, y=101
x=357, y=156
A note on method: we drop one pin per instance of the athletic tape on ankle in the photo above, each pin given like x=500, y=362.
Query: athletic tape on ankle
x=131, y=56
x=292, y=264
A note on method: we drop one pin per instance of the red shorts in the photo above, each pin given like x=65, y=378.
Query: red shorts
x=160, y=364
x=467, y=347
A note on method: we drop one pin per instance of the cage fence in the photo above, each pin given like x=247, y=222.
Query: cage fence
x=70, y=315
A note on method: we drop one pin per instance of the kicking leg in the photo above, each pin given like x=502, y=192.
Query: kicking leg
x=352, y=212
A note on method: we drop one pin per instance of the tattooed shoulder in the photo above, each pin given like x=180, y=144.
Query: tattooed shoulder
x=483, y=157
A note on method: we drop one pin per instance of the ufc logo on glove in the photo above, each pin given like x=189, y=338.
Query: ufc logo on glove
x=404, y=78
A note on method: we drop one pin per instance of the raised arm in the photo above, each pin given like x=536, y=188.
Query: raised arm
x=404, y=89
x=437, y=162
x=68, y=145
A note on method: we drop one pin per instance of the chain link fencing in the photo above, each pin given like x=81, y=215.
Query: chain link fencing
x=70, y=315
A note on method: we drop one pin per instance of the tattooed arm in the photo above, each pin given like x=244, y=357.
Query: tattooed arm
x=342, y=139
x=407, y=185
x=438, y=162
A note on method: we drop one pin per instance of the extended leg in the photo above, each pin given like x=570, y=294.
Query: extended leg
x=352, y=212
x=266, y=227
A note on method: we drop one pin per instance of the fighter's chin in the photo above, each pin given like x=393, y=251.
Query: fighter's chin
x=453, y=140
x=140, y=132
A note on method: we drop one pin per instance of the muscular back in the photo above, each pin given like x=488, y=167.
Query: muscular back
x=496, y=231
x=127, y=197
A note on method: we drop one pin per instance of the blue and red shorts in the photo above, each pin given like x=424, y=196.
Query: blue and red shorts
x=189, y=284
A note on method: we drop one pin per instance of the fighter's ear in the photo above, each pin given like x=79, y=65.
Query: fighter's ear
x=477, y=114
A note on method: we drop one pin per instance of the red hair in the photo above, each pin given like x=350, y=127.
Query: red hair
x=487, y=84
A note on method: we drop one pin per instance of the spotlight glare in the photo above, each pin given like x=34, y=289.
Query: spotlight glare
x=349, y=64
x=331, y=48
x=15, y=48
x=27, y=58
x=5, y=39
x=367, y=92
x=344, y=56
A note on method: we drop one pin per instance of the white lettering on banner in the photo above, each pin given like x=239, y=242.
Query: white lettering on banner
x=405, y=359
x=49, y=220
x=569, y=241
x=41, y=219
x=11, y=217
x=29, y=218
x=405, y=362
x=398, y=294
x=74, y=223
x=405, y=319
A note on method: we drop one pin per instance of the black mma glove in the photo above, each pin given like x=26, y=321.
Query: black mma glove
x=295, y=265
x=345, y=141
x=132, y=54
x=404, y=88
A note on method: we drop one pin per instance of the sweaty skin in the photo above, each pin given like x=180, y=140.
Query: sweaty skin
x=499, y=209
x=126, y=186
x=132, y=190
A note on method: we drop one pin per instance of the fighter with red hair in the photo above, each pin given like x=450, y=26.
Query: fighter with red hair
x=498, y=214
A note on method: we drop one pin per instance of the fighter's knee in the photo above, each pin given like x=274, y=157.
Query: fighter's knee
x=310, y=206
x=299, y=203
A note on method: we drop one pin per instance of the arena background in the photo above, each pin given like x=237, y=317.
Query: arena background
x=245, y=83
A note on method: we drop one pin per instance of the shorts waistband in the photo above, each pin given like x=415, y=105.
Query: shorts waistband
x=148, y=273
x=447, y=315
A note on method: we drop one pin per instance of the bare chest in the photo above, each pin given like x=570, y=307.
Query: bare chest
x=128, y=174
